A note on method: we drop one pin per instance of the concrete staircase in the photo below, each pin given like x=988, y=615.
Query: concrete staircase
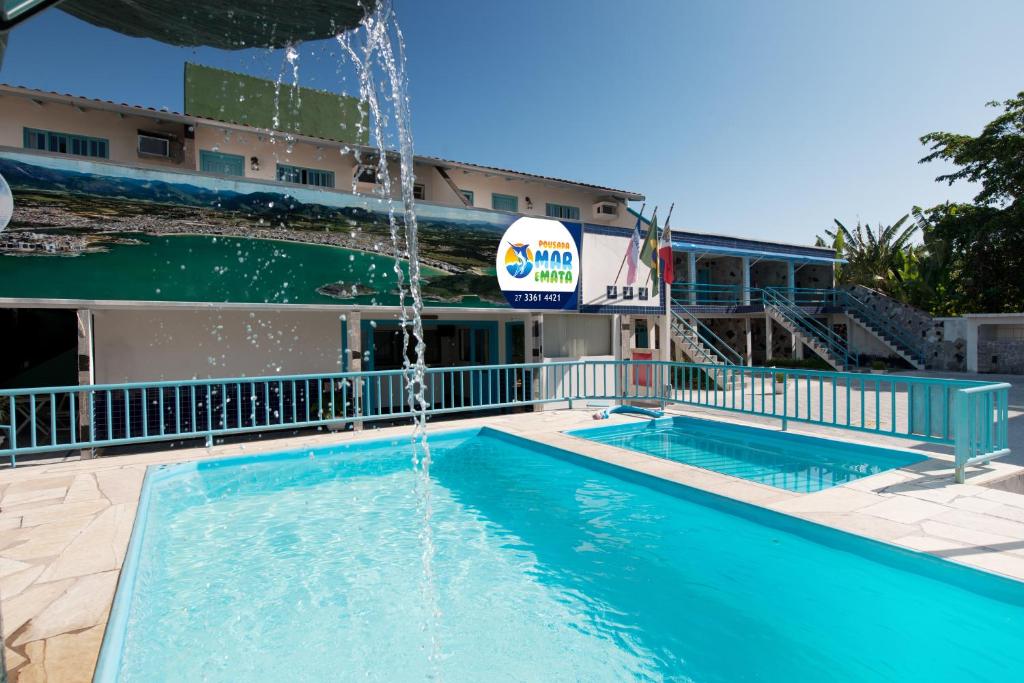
x=831, y=347
x=895, y=324
x=700, y=345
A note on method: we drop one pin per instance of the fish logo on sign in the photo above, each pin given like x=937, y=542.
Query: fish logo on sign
x=518, y=260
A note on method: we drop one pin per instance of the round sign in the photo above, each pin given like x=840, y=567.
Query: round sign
x=6, y=204
x=538, y=264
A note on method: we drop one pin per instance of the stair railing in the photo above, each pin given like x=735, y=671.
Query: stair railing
x=814, y=329
x=705, y=335
x=896, y=334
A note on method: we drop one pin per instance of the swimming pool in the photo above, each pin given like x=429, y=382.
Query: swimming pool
x=787, y=461
x=546, y=566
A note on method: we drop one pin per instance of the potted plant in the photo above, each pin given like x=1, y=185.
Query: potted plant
x=779, y=382
x=879, y=367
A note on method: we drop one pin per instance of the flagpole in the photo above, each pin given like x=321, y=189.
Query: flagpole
x=642, y=207
x=666, y=291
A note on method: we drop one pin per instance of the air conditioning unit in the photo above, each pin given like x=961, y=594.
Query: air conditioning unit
x=606, y=209
x=154, y=146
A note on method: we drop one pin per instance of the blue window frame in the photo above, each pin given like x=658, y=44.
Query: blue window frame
x=224, y=164
x=305, y=176
x=468, y=194
x=66, y=143
x=504, y=202
x=571, y=213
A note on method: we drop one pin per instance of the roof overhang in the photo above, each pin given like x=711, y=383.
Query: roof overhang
x=754, y=253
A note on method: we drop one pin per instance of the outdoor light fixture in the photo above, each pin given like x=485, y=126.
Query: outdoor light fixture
x=529, y=203
x=254, y=163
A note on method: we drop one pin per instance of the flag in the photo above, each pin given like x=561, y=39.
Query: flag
x=665, y=255
x=633, y=254
x=649, y=252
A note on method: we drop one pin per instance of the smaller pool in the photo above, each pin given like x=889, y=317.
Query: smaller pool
x=787, y=461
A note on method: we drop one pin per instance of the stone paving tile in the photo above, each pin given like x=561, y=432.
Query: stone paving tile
x=863, y=525
x=30, y=603
x=83, y=605
x=1005, y=497
x=83, y=487
x=975, y=504
x=99, y=547
x=837, y=499
x=980, y=522
x=55, y=513
x=904, y=509
x=71, y=657
x=970, y=537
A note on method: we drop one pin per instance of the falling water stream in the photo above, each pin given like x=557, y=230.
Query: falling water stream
x=377, y=51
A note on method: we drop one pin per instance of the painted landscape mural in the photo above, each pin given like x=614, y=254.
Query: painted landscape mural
x=97, y=231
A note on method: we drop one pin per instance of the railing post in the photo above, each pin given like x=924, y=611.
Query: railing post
x=962, y=436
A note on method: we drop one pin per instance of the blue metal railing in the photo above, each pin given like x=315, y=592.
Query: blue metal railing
x=896, y=334
x=689, y=324
x=838, y=347
x=971, y=416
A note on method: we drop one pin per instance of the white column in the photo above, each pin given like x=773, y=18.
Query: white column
x=86, y=375
x=748, y=333
x=972, y=345
x=767, y=339
x=666, y=329
x=746, y=280
x=355, y=357
x=691, y=273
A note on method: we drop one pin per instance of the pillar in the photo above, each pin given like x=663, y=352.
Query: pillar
x=749, y=349
x=767, y=340
x=355, y=357
x=691, y=273
x=972, y=345
x=745, y=296
x=86, y=376
x=790, y=276
x=535, y=354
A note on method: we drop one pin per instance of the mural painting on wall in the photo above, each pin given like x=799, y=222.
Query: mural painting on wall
x=95, y=231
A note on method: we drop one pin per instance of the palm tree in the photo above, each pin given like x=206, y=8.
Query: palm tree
x=881, y=258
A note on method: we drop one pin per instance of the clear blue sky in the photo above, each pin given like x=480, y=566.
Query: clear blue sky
x=759, y=119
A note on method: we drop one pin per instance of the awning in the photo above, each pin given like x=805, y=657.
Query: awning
x=753, y=253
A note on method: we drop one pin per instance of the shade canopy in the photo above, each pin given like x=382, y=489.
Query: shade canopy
x=225, y=24
x=754, y=253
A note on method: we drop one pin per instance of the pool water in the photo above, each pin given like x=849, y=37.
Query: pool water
x=787, y=461
x=308, y=566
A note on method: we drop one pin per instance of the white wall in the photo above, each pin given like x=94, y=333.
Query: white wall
x=602, y=262
x=17, y=113
x=171, y=344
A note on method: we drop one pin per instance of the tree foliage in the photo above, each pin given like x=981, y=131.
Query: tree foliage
x=971, y=259
x=876, y=258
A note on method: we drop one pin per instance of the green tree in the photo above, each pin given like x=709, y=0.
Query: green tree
x=975, y=252
x=880, y=258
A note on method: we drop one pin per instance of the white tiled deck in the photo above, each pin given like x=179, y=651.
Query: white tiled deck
x=64, y=527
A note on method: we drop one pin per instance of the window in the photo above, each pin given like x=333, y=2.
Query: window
x=305, y=176
x=419, y=191
x=607, y=209
x=220, y=163
x=367, y=174
x=468, y=194
x=154, y=146
x=66, y=143
x=504, y=202
x=562, y=211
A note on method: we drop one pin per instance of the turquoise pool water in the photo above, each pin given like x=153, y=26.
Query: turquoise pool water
x=307, y=566
x=786, y=461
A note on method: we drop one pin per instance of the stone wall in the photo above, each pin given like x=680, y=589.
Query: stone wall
x=782, y=343
x=768, y=274
x=813, y=277
x=1003, y=356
